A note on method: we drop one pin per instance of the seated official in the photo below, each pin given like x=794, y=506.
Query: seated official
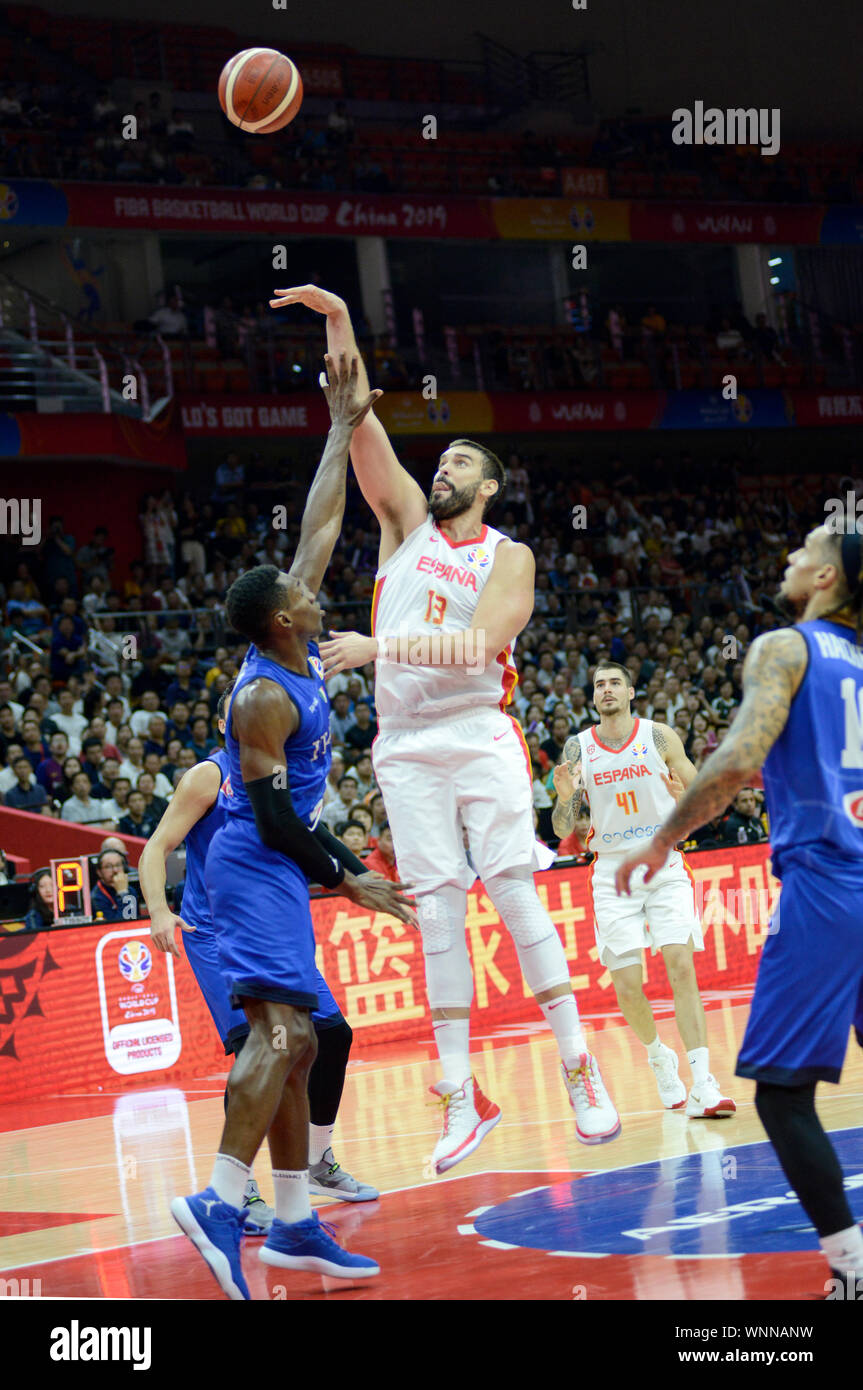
x=112, y=899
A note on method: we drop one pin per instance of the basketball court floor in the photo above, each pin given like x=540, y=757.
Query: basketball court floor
x=673, y=1209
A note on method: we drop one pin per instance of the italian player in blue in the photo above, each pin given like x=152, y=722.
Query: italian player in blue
x=194, y=815
x=802, y=718
x=258, y=869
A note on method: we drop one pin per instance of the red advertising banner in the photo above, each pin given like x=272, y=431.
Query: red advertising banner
x=585, y=410
x=725, y=222
x=269, y=212
x=96, y=1007
x=827, y=407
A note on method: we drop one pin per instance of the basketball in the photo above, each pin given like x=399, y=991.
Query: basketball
x=260, y=90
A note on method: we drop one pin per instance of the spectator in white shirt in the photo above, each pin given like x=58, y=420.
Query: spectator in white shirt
x=140, y=720
x=82, y=808
x=133, y=764
x=72, y=725
x=6, y=699
x=116, y=808
x=8, y=776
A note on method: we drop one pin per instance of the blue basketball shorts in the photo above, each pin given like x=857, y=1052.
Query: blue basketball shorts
x=809, y=989
x=259, y=902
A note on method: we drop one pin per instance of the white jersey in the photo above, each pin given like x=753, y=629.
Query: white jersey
x=628, y=798
x=432, y=585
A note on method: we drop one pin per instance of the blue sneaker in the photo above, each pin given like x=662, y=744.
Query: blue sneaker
x=310, y=1244
x=215, y=1228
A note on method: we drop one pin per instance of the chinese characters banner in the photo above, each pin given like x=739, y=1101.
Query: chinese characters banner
x=97, y=1008
x=374, y=964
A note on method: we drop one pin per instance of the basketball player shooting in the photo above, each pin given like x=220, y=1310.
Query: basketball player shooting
x=258, y=869
x=802, y=718
x=450, y=592
x=632, y=772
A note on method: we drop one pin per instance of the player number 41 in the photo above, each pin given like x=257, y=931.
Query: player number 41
x=623, y=801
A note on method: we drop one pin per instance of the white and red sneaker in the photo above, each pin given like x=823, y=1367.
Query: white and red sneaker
x=596, y=1118
x=672, y=1091
x=706, y=1101
x=468, y=1116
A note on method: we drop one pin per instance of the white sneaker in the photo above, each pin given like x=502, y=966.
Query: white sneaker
x=706, y=1102
x=468, y=1116
x=596, y=1119
x=672, y=1091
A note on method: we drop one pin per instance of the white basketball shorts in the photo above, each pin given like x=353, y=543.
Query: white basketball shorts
x=471, y=770
x=660, y=913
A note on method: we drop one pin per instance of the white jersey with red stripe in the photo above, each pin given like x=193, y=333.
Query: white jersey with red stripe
x=628, y=798
x=432, y=584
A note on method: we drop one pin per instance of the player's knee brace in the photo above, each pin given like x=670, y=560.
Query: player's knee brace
x=449, y=980
x=327, y=1076
x=540, y=952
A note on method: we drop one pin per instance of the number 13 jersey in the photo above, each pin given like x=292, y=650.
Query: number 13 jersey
x=432, y=585
x=628, y=798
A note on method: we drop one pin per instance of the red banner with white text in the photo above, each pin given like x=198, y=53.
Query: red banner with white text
x=97, y=1008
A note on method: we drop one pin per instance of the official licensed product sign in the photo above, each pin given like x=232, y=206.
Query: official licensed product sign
x=137, y=1002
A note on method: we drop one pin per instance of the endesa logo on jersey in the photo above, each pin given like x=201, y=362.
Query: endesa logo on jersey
x=852, y=805
x=635, y=832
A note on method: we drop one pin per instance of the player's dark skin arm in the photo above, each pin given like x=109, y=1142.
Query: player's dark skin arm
x=774, y=667
x=325, y=504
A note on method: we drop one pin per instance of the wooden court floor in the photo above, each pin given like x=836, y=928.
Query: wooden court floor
x=674, y=1209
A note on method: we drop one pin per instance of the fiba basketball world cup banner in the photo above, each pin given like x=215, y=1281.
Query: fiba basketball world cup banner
x=87, y=1009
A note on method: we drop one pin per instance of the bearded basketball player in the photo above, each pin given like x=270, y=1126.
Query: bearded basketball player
x=802, y=718
x=632, y=772
x=453, y=594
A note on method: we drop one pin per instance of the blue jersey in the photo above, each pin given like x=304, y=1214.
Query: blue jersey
x=307, y=752
x=195, y=907
x=813, y=775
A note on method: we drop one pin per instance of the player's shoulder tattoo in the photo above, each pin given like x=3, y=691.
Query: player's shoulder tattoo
x=659, y=739
x=572, y=749
x=776, y=662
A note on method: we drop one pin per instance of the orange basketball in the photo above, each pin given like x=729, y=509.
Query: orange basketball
x=260, y=90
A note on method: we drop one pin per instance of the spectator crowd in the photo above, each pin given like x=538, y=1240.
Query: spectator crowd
x=96, y=730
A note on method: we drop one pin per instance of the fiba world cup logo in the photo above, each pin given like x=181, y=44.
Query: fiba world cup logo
x=639, y=750
x=479, y=556
x=135, y=961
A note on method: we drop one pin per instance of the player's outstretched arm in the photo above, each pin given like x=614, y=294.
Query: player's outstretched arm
x=503, y=611
x=569, y=786
x=325, y=504
x=195, y=794
x=774, y=667
x=394, y=496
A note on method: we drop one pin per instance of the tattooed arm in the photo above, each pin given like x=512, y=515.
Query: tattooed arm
x=772, y=672
x=569, y=787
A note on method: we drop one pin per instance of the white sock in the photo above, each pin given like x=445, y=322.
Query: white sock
x=229, y=1179
x=844, y=1251
x=292, y=1195
x=699, y=1060
x=320, y=1139
x=654, y=1049
x=561, y=1015
x=452, y=1040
